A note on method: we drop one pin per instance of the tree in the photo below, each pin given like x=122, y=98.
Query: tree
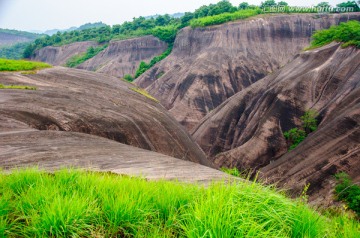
x=352, y=4
x=282, y=3
x=323, y=5
x=268, y=3
x=309, y=121
x=243, y=5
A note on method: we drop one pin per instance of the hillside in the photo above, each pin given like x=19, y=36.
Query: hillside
x=80, y=101
x=246, y=130
x=122, y=58
x=209, y=65
x=58, y=56
x=11, y=37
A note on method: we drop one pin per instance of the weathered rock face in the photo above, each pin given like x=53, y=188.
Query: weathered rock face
x=123, y=57
x=81, y=101
x=209, y=65
x=246, y=131
x=59, y=55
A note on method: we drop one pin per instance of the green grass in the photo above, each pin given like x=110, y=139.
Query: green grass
x=348, y=33
x=21, y=65
x=144, y=93
x=71, y=203
x=2, y=86
x=223, y=18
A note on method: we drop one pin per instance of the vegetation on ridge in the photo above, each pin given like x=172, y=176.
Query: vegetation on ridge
x=71, y=203
x=81, y=58
x=348, y=33
x=20, y=65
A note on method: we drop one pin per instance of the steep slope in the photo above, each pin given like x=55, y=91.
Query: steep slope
x=123, y=57
x=209, y=65
x=246, y=131
x=58, y=55
x=91, y=103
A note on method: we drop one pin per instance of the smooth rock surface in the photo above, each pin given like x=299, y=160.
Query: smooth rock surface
x=52, y=150
x=81, y=101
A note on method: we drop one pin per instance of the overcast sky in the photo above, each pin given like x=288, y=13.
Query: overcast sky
x=44, y=15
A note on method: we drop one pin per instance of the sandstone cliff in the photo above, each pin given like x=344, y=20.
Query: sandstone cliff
x=123, y=57
x=60, y=54
x=209, y=65
x=74, y=100
x=246, y=131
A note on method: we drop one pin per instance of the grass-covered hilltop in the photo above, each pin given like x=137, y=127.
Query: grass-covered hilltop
x=70, y=203
x=21, y=65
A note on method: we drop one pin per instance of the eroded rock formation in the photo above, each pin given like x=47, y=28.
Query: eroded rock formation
x=123, y=57
x=246, y=131
x=209, y=65
x=82, y=101
x=59, y=55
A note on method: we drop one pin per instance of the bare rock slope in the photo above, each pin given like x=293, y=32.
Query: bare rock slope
x=59, y=55
x=246, y=131
x=80, y=101
x=209, y=65
x=52, y=150
x=123, y=57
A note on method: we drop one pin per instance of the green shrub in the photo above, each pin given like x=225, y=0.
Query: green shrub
x=81, y=58
x=348, y=192
x=143, y=67
x=309, y=124
x=71, y=203
x=309, y=121
x=295, y=136
x=348, y=33
x=222, y=18
x=21, y=65
x=128, y=77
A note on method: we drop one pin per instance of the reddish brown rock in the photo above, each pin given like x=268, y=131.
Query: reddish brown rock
x=209, y=65
x=81, y=101
x=59, y=55
x=246, y=131
x=123, y=57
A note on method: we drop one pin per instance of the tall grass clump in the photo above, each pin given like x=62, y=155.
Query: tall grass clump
x=21, y=65
x=71, y=203
x=225, y=17
x=348, y=33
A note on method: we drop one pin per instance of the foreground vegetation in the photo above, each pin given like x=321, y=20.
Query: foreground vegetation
x=84, y=204
x=348, y=33
x=21, y=65
x=348, y=192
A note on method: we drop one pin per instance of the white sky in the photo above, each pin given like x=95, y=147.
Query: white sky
x=44, y=15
